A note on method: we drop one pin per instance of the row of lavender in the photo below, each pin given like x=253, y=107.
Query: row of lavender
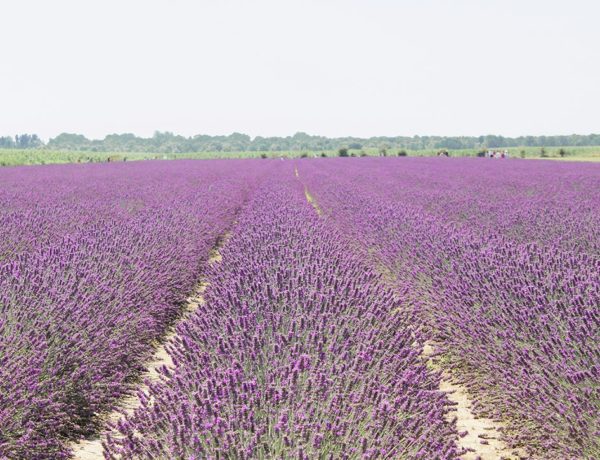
x=298, y=352
x=502, y=264
x=95, y=261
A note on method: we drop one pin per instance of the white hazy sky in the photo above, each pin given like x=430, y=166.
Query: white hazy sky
x=274, y=67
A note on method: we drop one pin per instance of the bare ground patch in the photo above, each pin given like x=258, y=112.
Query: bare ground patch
x=479, y=436
x=92, y=449
x=312, y=202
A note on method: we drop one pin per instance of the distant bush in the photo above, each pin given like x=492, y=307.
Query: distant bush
x=481, y=153
x=304, y=155
x=402, y=153
x=264, y=156
x=562, y=152
x=114, y=158
x=543, y=153
x=363, y=154
x=323, y=155
x=522, y=153
x=343, y=152
x=353, y=154
x=383, y=151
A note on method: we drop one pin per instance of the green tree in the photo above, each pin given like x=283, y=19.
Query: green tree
x=68, y=141
x=28, y=141
x=7, y=142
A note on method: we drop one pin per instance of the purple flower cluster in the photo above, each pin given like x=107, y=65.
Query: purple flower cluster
x=95, y=261
x=299, y=351
x=501, y=262
x=309, y=342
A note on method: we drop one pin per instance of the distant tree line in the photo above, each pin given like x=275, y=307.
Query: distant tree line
x=23, y=141
x=166, y=142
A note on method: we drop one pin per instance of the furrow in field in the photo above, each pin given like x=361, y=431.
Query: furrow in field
x=502, y=264
x=295, y=354
x=95, y=263
x=92, y=449
x=312, y=201
x=479, y=436
x=309, y=198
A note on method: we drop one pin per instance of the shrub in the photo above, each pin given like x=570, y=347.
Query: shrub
x=323, y=155
x=543, y=153
x=562, y=152
x=481, y=153
x=130, y=236
x=264, y=156
x=522, y=153
x=402, y=153
x=304, y=155
x=321, y=382
x=114, y=158
x=343, y=152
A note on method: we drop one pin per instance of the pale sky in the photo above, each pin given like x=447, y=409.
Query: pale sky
x=275, y=67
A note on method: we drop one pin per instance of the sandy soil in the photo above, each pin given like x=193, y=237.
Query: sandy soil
x=478, y=429
x=91, y=449
x=312, y=201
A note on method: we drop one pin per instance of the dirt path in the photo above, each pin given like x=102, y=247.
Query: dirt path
x=91, y=449
x=311, y=200
x=480, y=436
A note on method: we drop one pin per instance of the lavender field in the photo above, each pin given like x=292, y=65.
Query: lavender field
x=349, y=295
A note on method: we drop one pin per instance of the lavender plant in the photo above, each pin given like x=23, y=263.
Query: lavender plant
x=95, y=261
x=501, y=263
x=298, y=352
